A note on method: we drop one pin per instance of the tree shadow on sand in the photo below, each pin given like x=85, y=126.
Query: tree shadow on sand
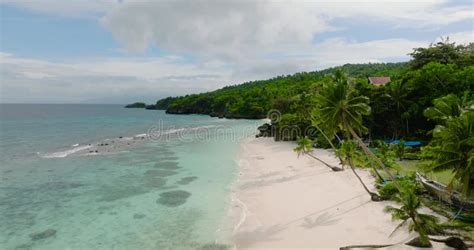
x=325, y=219
x=248, y=238
x=268, y=182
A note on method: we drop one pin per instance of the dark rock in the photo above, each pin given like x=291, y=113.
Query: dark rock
x=43, y=235
x=173, y=198
x=373, y=196
x=154, y=182
x=266, y=130
x=169, y=158
x=455, y=243
x=138, y=216
x=24, y=247
x=186, y=180
x=416, y=242
x=160, y=173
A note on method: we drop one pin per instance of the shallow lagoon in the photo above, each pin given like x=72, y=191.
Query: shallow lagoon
x=159, y=194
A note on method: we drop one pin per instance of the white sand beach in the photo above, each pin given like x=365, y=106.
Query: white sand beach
x=281, y=201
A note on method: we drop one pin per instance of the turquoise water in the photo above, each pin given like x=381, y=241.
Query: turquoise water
x=163, y=192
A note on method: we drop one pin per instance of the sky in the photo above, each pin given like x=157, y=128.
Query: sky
x=121, y=51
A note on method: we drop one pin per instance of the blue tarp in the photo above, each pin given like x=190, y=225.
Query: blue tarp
x=407, y=143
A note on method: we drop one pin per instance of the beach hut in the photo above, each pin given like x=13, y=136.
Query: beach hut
x=379, y=80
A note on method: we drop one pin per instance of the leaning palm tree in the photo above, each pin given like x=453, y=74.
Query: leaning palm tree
x=408, y=212
x=341, y=108
x=305, y=146
x=327, y=132
x=454, y=149
x=349, y=153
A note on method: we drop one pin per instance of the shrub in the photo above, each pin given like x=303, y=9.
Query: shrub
x=389, y=190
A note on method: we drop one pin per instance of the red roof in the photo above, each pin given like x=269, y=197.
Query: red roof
x=379, y=80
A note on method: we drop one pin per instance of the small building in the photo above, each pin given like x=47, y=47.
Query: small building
x=379, y=80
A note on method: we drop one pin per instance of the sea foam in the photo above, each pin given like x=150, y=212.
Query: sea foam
x=65, y=153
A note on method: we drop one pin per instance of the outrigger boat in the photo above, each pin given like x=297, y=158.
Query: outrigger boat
x=442, y=192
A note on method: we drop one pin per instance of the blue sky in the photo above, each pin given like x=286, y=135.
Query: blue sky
x=110, y=51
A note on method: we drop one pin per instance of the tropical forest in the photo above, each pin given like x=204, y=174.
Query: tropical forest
x=413, y=131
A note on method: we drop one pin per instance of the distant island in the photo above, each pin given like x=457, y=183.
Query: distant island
x=140, y=105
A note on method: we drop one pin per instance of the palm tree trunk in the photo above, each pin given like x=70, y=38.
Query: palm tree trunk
x=408, y=131
x=335, y=169
x=372, y=155
x=373, y=196
x=377, y=172
x=330, y=143
x=365, y=246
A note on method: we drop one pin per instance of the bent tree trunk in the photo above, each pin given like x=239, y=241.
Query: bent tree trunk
x=365, y=246
x=376, y=172
x=333, y=168
x=330, y=143
x=373, y=156
x=340, y=158
x=373, y=196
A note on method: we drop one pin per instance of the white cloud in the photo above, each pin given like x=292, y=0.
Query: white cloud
x=210, y=29
x=98, y=79
x=229, y=42
x=130, y=79
x=460, y=37
x=68, y=8
x=400, y=13
x=331, y=52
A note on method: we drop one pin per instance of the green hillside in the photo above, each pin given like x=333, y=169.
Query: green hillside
x=253, y=99
x=397, y=107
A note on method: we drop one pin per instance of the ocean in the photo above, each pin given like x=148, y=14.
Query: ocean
x=106, y=177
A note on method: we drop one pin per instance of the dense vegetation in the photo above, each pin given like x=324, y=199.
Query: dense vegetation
x=341, y=110
x=396, y=108
x=253, y=100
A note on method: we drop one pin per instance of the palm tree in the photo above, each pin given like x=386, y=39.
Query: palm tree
x=349, y=152
x=305, y=146
x=317, y=125
x=341, y=108
x=447, y=107
x=408, y=212
x=400, y=149
x=397, y=93
x=454, y=149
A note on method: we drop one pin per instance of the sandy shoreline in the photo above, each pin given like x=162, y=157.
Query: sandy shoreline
x=281, y=201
